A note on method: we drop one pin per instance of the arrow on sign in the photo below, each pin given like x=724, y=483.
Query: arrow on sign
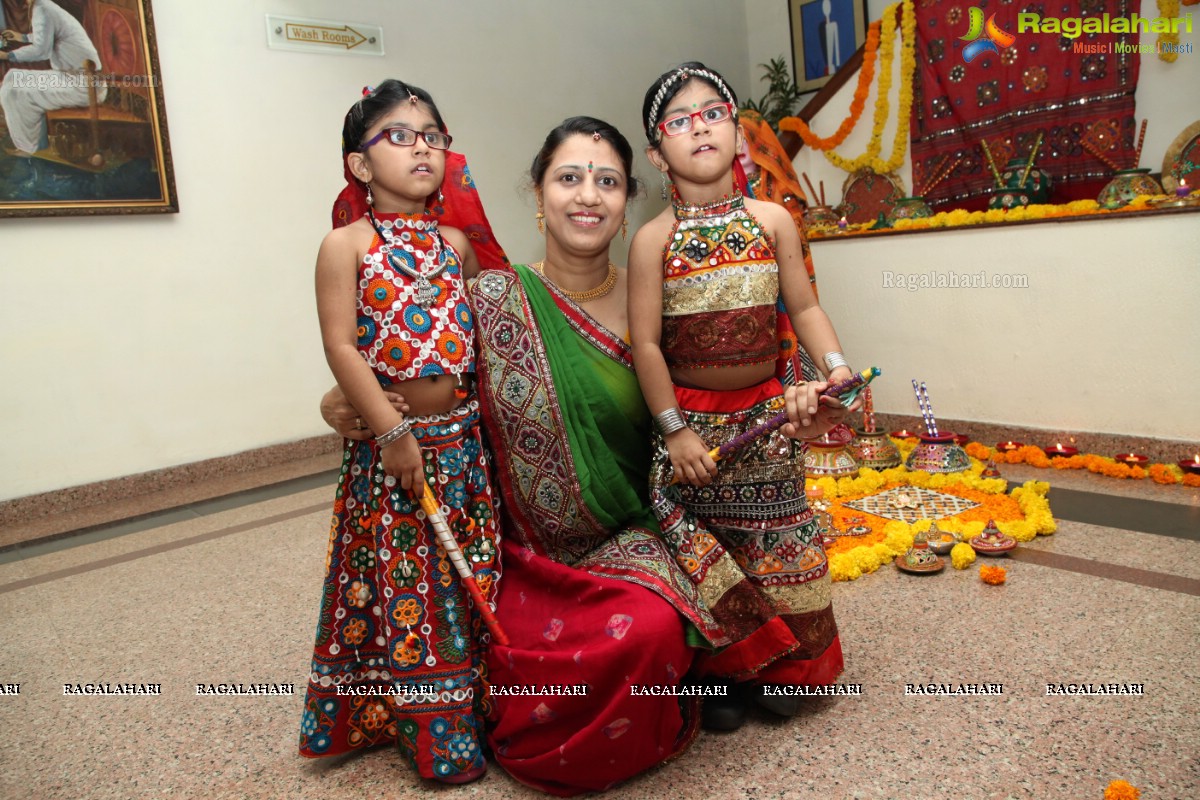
x=344, y=36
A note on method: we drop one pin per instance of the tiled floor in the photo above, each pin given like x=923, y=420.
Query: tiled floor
x=226, y=591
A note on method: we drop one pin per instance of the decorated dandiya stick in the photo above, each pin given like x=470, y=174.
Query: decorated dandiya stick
x=942, y=175
x=1108, y=162
x=929, y=408
x=987, y=152
x=450, y=545
x=845, y=391
x=1137, y=153
x=921, y=404
x=868, y=410
x=817, y=199
x=1037, y=145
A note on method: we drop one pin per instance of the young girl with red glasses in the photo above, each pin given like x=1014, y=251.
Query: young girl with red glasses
x=397, y=656
x=706, y=277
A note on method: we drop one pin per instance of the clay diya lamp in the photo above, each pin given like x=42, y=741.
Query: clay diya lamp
x=989, y=470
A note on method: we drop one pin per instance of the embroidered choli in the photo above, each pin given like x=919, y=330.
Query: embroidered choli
x=399, y=337
x=720, y=287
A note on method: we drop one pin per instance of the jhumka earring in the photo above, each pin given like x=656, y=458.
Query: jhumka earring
x=665, y=196
x=624, y=228
x=539, y=216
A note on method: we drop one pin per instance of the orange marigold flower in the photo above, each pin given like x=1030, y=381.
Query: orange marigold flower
x=980, y=451
x=1161, y=473
x=1191, y=480
x=993, y=575
x=1120, y=790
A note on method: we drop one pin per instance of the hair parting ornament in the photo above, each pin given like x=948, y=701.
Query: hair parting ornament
x=671, y=83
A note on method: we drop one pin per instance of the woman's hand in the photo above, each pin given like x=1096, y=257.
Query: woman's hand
x=689, y=457
x=343, y=417
x=402, y=460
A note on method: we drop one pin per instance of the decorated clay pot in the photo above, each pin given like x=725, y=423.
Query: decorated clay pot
x=820, y=215
x=1037, y=183
x=1126, y=185
x=909, y=208
x=938, y=454
x=875, y=450
x=829, y=459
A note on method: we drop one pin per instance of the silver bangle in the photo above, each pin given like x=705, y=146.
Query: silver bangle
x=403, y=429
x=834, y=360
x=669, y=421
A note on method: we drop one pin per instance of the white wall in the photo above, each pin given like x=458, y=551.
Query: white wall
x=1103, y=338
x=131, y=344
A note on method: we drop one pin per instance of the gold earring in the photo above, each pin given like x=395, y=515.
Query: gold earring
x=539, y=216
x=624, y=228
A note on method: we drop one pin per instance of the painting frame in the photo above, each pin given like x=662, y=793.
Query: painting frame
x=811, y=44
x=110, y=155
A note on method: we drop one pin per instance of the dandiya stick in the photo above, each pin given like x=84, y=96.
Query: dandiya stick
x=450, y=545
x=921, y=405
x=816, y=198
x=943, y=175
x=1037, y=145
x=822, y=192
x=1137, y=154
x=929, y=408
x=845, y=391
x=987, y=152
x=1104, y=157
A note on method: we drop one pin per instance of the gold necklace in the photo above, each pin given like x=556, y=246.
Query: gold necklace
x=594, y=293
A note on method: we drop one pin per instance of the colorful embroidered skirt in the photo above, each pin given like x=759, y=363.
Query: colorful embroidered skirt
x=397, y=655
x=749, y=542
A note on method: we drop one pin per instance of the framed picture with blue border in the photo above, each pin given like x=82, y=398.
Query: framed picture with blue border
x=825, y=34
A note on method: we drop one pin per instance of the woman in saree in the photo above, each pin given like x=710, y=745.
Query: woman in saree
x=588, y=593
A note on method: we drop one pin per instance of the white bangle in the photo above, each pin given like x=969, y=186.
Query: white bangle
x=833, y=360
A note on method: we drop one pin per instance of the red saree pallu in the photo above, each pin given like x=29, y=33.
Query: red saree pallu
x=590, y=594
x=397, y=658
x=1009, y=86
x=750, y=544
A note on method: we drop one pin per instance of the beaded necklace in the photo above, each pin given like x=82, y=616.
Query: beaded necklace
x=392, y=242
x=719, y=207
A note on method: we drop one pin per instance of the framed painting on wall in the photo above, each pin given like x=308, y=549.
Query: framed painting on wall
x=83, y=127
x=825, y=33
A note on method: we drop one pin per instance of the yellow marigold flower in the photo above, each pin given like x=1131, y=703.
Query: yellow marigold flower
x=1120, y=790
x=962, y=555
x=993, y=575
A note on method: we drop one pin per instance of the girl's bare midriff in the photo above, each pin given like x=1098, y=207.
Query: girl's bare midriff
x=431, y=395
x=723, y=379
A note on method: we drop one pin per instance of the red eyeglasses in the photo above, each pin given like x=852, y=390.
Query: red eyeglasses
x=407, y=137
x=682, y=123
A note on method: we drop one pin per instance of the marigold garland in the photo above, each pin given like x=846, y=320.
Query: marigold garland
x=1166, y=474
x=993, y=575
x=961, y=217
x=1169, y=9
x=1120, y=790
x=865, y=77
x=908, y=64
